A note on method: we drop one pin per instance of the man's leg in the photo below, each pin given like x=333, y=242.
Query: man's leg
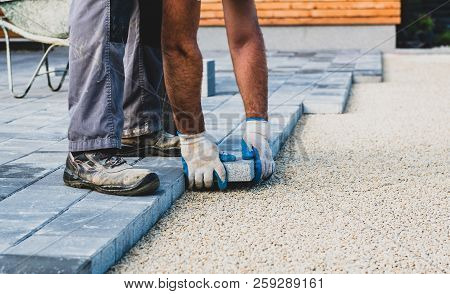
x=143, y=71
x=98, y=32
x=96, y=77
x=144, y=92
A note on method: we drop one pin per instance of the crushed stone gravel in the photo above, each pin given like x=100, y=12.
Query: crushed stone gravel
x=362, y=192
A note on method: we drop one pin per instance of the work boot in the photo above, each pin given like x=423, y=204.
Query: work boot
x=155, y=144
x=106, y=173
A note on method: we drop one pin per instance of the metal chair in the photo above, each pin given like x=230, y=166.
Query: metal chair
x=36, y=21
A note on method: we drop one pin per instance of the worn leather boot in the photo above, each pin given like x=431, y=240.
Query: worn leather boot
x=154, y=144
x=106, y=173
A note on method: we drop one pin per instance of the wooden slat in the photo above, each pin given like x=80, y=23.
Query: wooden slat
x=312, y=12
x=317, y=21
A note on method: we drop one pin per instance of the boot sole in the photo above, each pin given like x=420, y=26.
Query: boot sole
x=150, y=151
x=147, y=186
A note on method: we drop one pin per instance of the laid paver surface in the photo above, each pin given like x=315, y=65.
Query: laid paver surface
x=363, y=192
x=46, y=227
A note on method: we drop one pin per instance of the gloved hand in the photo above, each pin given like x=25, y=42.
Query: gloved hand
x=202, y=162
x=255, y=145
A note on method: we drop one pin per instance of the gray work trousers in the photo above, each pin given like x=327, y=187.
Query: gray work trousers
x=116, y=81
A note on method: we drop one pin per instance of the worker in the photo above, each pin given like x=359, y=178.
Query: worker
x=115, y=95
x=203, y=164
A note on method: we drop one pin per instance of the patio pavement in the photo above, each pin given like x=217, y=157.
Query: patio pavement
x=47, y=227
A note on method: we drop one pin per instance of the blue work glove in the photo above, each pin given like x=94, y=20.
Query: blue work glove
x=202, y=162
x=255, y=145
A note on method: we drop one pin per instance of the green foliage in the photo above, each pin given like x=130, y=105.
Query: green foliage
x=444, y=39
x=425, y=24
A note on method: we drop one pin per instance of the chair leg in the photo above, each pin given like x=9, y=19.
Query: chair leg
x=10, y=69
x=8, y=60
x=47, y=73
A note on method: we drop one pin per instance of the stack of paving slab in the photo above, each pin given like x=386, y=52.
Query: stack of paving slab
x=46, y=227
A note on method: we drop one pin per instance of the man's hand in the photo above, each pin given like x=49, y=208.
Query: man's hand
x=202, y=162
x=255, y=145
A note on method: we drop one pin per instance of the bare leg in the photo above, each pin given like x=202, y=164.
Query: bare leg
x=183, y=63
x=248, y=53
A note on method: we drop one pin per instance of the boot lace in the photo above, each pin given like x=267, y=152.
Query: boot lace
x=114, y=161
x=111, y=160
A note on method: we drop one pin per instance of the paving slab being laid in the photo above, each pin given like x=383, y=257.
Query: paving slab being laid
x=46, y=227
